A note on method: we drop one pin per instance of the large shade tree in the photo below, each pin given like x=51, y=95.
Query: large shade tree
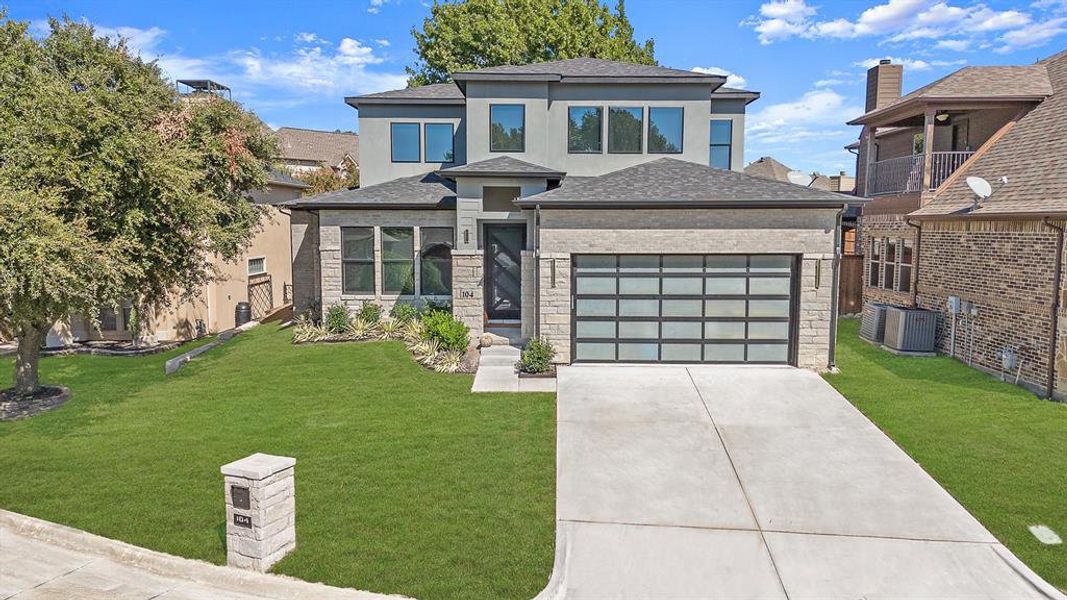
x=473, y=34
x=112, y=186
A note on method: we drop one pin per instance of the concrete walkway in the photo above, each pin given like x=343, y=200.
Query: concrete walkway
x=497, y=373
x=752, y=482
x=39, y=559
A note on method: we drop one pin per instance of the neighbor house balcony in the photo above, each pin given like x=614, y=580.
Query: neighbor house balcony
x=907, y=174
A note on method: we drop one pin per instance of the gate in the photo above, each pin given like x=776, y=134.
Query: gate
x=850, y=297
x=260, y=295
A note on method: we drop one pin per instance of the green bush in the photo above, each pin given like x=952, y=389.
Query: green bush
x=336, y=319
x=402, y=312
x=370, y=312
x=432, y=306
x=442, y=327
x=536, y=356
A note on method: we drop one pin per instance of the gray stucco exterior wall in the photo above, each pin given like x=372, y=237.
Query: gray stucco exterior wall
x=375, y=159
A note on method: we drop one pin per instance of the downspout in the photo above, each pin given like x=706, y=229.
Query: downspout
x=915, y=268
x=537, y=271
x=1050, y=380
x=831, y=362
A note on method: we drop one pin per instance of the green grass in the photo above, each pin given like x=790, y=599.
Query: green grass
x=406, y=482
x=997, y=448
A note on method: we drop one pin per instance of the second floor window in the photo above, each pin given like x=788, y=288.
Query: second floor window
x=507, y=128
x=625, y=126
x=722, y=132
x=405, y=142
x=664, y=130
x=440, y=145
x=584, y=129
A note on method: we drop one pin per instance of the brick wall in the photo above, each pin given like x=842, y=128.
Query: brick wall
x=1006, y=269
x=809, y=233
x=877, y=227
x=304, y=228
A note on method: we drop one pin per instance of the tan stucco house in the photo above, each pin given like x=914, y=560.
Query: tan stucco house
x=262, y=276
x=597, y=204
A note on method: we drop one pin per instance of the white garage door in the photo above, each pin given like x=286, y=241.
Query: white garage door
x=684, y=308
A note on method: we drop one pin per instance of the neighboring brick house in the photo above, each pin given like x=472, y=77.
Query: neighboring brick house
x=928, y=237
x=302, y=150
x=597, y=204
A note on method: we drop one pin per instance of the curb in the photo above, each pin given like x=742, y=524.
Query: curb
x=166, y=565
x=172, y=365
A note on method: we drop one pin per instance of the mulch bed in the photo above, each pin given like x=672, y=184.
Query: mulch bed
x=14, y=407
x=549, y=374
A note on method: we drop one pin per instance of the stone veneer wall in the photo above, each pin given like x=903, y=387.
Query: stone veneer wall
x=468, y=291
x=304, y=228
x=808, y=233
x=529, y=298
x=1006, y=269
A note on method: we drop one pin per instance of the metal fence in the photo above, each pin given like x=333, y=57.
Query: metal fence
x=905, y=174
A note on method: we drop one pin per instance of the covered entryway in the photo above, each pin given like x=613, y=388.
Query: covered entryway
x=685, y=308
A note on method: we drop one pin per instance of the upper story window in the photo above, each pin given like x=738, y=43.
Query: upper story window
x=625, y=126
x=405, y=142
x=507, y=128
x=722, y=132
x=664, y=130
x=584, y=129
x=440, y=143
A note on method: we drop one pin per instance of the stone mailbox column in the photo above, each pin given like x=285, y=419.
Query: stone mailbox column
x=260, y=510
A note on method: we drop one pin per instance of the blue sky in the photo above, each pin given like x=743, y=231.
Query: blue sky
x=293, y=63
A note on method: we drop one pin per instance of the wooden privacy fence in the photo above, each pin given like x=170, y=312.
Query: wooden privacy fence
x=850, y=293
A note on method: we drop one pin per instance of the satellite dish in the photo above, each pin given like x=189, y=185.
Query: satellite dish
x=980, y=187
x=799, y=178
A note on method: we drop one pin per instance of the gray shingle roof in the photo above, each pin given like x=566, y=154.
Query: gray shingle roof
x=501, y=166
x=672, y=183
x=586, y=67
x=279, y=177
x=424, y=191
x=1030, y=155
x=436, y=93
x=975, y=83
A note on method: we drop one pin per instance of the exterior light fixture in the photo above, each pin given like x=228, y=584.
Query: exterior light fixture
x=942, y=117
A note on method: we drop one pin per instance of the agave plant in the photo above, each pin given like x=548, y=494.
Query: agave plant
x=360, y=329
x=449, y=361
x=412, y=332
x=389, y=329
x=308, y=332
x=426, y=351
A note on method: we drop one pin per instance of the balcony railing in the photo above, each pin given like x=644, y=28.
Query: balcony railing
x=905, y=174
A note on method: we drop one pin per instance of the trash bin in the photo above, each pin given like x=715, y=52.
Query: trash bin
x=242, y=313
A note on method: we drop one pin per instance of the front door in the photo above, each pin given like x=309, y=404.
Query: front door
x=503, y=270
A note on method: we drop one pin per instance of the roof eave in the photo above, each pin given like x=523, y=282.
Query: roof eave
x=445, y=173
x=907, y=108
x=328, y=205
x=532, y=202
x=748, y=97
x=716, y=80
x=356, y=101
x=504, y=76
x=990, y=216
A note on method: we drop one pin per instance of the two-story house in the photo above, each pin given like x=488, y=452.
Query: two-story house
x=597, y=204
x=928, y=237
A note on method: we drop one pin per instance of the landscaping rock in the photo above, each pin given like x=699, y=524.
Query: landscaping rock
x=14, y=407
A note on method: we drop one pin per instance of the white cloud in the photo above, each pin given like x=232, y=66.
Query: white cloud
x=376, y=6
x=732, y=79
x=1032, y=36
x=916, y=22
x=306, y=37
x=141, y=42
x=911, y=64
x=787, y=130
x=384, y=43
x=822, y=83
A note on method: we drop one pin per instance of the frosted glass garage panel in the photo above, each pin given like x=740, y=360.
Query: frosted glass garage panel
x=594, y=351
x=595, y=285
x=595, y=329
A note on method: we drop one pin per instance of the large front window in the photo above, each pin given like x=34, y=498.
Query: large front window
x=398, y=260
x=440, y=145
x=722, y=133
x=357, y=260
x=405, y=142
x=435, y=261
x=584, y=129
x=625, y=126
x=664, y=130
x=507, y=128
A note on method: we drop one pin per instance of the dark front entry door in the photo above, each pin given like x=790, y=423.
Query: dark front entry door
x=503, y=268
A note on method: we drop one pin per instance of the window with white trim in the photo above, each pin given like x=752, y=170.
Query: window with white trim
x=257, y=266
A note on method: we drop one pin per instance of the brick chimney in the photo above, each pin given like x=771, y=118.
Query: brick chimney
x=884, y=83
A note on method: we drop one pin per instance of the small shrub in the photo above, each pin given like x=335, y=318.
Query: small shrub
x=536, y=356
x=336, y=319
x=432, y=306
x=389, y=329
x=412, y=331
x=370, y=312
x=402, y=312
x=306, y=330
x=426, y=351
x=360, y=329
x=446, y=330
x=448, y=362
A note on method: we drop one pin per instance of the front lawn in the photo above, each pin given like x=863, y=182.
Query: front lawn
x=406, y=482
x=997, y=448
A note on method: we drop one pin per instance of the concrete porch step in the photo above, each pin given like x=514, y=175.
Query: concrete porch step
x=499, y=356
x=504, y=336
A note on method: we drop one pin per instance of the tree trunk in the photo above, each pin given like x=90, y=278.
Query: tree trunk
x=30, y=337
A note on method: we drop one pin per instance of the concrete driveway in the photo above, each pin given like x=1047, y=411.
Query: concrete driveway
x=752, y=482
